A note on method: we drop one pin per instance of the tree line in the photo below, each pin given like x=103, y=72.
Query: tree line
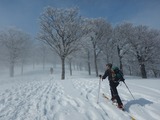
x=89, y=42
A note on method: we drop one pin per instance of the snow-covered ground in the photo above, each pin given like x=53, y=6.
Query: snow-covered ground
x=37, y=95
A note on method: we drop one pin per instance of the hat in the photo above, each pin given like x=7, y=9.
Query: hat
x=109, y=65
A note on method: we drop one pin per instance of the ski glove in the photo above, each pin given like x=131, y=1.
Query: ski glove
x=122, y=79
x=100, y=76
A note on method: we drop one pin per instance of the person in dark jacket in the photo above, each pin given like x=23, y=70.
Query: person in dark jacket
x=113, y=85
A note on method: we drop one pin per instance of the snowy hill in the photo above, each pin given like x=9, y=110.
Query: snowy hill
x=38, y=95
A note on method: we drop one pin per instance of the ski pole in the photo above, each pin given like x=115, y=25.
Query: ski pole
x=128, y=90
x=99, y=90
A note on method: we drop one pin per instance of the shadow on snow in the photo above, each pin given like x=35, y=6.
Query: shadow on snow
x=140, y=101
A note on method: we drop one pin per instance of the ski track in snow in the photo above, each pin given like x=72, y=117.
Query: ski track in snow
x=49, y=100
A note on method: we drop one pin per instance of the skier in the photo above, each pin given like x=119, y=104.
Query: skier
x=51, y=70
x=113, y=85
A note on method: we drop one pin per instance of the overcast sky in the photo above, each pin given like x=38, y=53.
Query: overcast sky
x=24, y=14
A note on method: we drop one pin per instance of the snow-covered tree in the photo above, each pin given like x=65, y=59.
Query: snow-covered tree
x=26, y=50
x=153, y=62
x=15, y=43
x=121, y=35
x=143, y=46
x=43, y=54
x=61, y=29
x=109, y=52
x=86, y=53
x=98, y=31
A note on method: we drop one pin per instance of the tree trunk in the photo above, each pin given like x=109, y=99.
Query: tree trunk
x=89, y=68
x=120, y=58
x=22, y=67
x=12, y=69
x=44, y=57
x=80, y=66
x=130, y=71
x=142, y=66
x=143, y=71
x=44, y=62
x=70, y=67
x=33, y=64
x=155, y=73
x=63, y=68
x=121, y=65
x=89, y=64
x=95, y=63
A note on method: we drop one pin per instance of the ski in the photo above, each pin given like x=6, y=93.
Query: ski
x=113, y=103
x=106, y=97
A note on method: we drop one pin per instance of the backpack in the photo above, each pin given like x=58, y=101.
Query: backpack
x=117, y=74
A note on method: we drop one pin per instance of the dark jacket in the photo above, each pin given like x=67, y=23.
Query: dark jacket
x=108, y=73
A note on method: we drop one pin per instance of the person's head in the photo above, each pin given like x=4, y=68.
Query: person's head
x=109, y=65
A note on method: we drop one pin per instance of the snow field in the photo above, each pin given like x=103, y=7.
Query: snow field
x=46, y=97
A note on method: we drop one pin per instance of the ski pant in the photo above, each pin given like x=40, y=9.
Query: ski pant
x=114, y=92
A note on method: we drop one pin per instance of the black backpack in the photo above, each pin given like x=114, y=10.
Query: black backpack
x=117, y=74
